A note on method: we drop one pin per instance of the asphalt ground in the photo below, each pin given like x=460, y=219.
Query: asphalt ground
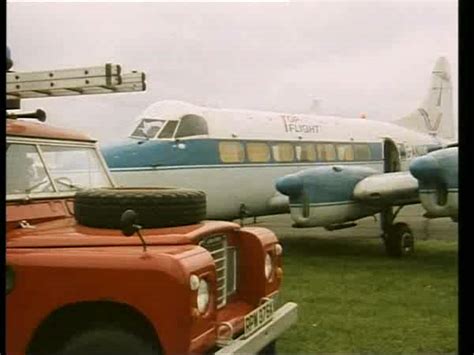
x=422, y=228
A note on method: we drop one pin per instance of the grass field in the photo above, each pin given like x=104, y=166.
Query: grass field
x=354, y=299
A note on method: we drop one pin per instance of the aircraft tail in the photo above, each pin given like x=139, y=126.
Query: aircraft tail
x=435, y=114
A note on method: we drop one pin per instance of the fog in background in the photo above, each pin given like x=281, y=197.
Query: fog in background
x=371, y=57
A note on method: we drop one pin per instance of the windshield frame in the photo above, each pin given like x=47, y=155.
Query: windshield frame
x=57, y=193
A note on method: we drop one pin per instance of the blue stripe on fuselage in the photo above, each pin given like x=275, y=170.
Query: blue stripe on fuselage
x=149, y=154
x=154, y=153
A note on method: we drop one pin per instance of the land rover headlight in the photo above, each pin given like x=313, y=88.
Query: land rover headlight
x=203, y=296
x=268, y=266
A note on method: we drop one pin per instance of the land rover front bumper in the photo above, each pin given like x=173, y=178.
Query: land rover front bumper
x=280, y=321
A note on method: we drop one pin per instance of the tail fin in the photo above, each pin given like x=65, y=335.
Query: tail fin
x=435, y=115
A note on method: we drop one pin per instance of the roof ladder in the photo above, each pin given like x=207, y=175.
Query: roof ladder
x=106, y=79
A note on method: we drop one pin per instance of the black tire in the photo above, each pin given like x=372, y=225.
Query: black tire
x=156, y=207
x=270, y=349
x=107, y=342
x=399, y=241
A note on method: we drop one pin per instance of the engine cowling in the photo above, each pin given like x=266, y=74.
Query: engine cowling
x=323, y=196
x=437, y=175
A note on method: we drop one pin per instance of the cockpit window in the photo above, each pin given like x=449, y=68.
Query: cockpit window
x=148, y=128
x=168, y=130
x=191, y=125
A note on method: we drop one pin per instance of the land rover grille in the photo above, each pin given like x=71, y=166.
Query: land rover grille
x=225, y=257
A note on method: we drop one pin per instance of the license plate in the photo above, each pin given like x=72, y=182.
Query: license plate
x=258, y=317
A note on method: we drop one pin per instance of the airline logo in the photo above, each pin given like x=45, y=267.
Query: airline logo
x=294, y=124
x=433, y=121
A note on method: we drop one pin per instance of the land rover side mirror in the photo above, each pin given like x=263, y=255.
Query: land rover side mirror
x=129, y=226
x=128, y=223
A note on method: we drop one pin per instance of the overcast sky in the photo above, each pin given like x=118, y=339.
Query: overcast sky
x=354, y=56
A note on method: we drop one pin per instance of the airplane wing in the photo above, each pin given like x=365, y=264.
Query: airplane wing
x=328, y=196
x=389, y=189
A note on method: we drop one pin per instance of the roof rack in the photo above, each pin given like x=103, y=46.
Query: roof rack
x=104, y=79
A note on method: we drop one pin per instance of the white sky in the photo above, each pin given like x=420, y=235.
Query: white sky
x=354, y=56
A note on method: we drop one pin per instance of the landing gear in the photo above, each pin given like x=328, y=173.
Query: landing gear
x=398, y=237
x=399, y=241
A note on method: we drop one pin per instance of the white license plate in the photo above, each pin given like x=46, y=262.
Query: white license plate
x=258, y=317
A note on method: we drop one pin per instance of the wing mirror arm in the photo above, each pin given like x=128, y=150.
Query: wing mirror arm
x=129, y=225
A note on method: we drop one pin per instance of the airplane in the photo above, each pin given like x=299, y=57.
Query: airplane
x=237, y=156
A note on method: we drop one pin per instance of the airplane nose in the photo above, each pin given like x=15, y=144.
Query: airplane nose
x=425, y=168
x=289, y=185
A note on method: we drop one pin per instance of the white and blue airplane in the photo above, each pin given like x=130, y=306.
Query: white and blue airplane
x=237, y=157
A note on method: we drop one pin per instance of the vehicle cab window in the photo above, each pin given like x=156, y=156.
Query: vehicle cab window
x=25, y=170
x=72, y=168
x=191, y=125
x=39, y=169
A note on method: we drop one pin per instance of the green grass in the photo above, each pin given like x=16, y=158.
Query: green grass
x=354, y=299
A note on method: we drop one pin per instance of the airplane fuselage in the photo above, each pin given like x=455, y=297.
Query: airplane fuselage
x=236, y=156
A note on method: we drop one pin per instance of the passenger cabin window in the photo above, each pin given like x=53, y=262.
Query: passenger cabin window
x=402, y=151
x=283, y=152
x=345, y=152
x=168, y=130
x=305, y=152
x=362, y=152
x=231, y=152
x=258, y=152
x=148, y=128
x=191, y=125
x=326, y=152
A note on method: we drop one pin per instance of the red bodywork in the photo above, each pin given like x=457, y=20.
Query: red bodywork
x=58, y=263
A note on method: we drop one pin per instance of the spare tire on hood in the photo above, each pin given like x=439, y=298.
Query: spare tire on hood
x=156, y=207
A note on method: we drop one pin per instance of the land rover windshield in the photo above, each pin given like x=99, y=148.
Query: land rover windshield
x=48, y=169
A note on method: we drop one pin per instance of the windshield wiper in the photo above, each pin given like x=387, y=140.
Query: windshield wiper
x=67, y=182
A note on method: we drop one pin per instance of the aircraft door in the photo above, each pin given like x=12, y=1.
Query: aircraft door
x=391, y=157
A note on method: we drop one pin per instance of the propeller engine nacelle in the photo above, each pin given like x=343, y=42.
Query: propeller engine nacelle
x=437, y=175
x=323, y=196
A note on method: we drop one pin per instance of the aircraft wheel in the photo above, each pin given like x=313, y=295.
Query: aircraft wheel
x=399, y=240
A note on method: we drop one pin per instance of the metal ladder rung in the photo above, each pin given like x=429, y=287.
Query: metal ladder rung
x=63, y=84
x=76, y=73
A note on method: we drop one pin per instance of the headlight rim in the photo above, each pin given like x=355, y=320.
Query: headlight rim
x=203, y=308
x=269, y=262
